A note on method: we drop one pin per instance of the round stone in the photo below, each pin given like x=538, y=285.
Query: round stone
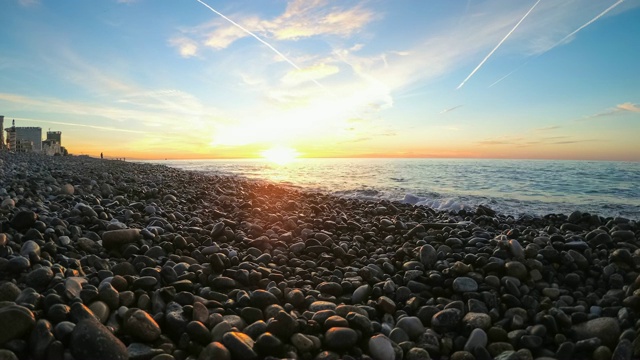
x=17, y=321
x=605, y=328
x=301, y=342
x=516, y=269
x=262, y=298
x=428, y=256
x=464, y=284
x=214, y=350
x=446, y=319
x=92, y=340
x=340, y=338
x=240, y=345
x=116, y=238
x=381, y=348
x=142, y=326
x=411, y=325
x=361, y=294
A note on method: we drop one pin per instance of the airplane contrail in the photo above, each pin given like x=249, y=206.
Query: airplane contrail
x=563, y=39
x=259, y=39
x=587, y=23
x=497, y=46
x=82, y=125
x=450, y=109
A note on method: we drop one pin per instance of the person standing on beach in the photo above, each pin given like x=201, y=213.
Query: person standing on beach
x=101, y=156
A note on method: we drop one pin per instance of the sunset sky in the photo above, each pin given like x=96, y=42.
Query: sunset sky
x=152, y=79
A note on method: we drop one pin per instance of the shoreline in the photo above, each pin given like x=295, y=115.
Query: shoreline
x=447, y=196
x=165, y=263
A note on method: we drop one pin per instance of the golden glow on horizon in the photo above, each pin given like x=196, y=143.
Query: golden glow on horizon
x=280, y=155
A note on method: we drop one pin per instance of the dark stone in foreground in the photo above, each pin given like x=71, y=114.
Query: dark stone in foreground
x=15, y=321
x=91, y=340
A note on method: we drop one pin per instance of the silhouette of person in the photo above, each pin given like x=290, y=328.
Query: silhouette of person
x=101, y=156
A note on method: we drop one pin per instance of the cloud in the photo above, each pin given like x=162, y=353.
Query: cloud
x=620, y=108
x=526, y=141
x=301, y=19
x=315, y=72
x=628, y=107
x=186, y=47
x=29, y=3
x=226, y=34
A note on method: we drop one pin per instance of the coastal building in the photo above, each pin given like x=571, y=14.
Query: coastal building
x=55, y=135
x=18, y=138
x=1, y=132
x=51, y=147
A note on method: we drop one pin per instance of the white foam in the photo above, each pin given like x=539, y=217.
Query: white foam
x=445, y=204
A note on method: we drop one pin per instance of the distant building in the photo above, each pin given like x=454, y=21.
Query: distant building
x=55, y=135
x=19, y=137
x=1, y=132
x=51, y=148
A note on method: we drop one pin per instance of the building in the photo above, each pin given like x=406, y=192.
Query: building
x=1, y=132
x=55, y=135
x=51, y=147
x=19, y=137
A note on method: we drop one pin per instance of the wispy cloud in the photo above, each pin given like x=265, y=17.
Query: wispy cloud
x=316, y=72
x=548, y=128
x=29, y=3
x=527, y=141
x=301, y=19
x=186, y=47
x=620, y=108
x=450, y=109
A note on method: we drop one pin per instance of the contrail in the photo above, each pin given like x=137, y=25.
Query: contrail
x=82, y=125
x=259, y=39
x=497, y=46
x=450, y=109
x=563, y=39
x=587, y=24
x=509, y=74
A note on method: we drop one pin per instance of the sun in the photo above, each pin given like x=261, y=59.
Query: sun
x=280, y=155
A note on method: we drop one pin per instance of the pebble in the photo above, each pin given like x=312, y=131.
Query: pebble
x=340, y=338
x=412, y=326
x=140, y=325
x=606, y=329
x=116, y=238
x=92, y=340
x=20, y=319
x=464, y=284
x=240, y=345
x=215, y=350
x=381, y=348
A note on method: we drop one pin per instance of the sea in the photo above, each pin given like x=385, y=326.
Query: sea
x=511, y=187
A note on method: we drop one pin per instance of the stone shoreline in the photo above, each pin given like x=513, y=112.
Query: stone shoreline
x=104, y=259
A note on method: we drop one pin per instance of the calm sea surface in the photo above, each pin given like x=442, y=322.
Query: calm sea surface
x=515, y=187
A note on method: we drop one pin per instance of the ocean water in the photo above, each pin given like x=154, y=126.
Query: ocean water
x=512, y=187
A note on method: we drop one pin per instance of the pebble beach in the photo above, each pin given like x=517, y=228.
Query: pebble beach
x=105, y=259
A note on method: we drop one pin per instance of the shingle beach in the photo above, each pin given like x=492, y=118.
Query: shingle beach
x=104, y=259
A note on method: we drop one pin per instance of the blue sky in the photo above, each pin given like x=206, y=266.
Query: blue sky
x=191, y=79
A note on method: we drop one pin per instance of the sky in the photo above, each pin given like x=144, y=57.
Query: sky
x=154, y=79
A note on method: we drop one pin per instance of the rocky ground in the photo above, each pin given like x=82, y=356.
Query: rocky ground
x=105, y=259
